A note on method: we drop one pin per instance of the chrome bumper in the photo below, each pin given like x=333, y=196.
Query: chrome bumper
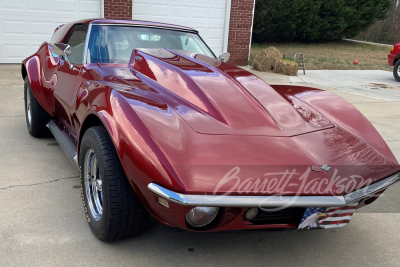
x=272, y=201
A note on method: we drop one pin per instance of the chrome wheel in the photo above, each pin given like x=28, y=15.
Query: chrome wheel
x=28, y=105
x=93, y=185
x=115, y=212
x=398, y=70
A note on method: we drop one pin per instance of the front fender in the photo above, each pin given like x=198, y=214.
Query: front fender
x=341, y=113
x=141, y=157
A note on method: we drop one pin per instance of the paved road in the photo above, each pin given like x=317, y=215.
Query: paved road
x=42, y=221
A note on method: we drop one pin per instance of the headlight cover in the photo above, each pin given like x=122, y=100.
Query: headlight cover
x=201, y=216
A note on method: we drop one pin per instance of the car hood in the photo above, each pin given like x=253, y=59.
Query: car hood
x=210, y=118
x=210, y=97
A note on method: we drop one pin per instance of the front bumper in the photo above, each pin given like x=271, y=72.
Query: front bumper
x=272, y=201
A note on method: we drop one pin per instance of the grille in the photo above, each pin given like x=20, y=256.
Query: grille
x=285, y=216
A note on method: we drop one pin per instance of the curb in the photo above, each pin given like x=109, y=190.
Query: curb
x=365, y=42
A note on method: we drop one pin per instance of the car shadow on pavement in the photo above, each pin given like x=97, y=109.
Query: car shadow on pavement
x=172, y=246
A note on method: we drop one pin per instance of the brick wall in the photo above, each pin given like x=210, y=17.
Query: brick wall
x=118, y=9
x=240, y=31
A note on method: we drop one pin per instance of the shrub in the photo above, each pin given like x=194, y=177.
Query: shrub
x=314, y=20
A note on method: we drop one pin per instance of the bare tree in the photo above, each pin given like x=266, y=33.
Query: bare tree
x=386, y=31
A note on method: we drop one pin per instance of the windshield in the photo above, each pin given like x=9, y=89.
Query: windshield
x=114, y=44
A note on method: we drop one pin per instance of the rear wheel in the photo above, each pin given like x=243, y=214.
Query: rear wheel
x=396, y=71
x=36, y=116
x=112, y=209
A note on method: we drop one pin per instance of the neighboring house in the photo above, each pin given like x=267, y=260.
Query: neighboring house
x=226, y=25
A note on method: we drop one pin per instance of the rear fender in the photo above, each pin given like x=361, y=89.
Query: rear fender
x=33, y=69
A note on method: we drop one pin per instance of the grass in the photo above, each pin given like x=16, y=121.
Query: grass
x=333, y=56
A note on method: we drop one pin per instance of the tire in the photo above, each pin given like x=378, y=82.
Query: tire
x=396, y=71
x=112, y=209
x=36, y=116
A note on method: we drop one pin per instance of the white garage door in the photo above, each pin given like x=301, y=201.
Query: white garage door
x=26, y=24
x=209, y=17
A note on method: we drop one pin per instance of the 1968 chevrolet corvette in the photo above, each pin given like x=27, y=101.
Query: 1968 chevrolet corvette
x=157, y=124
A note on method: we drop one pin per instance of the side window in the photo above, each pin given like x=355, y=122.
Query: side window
x=77, y=40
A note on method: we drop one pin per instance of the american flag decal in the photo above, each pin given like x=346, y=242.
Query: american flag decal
x=316, y=168
x=315, y=218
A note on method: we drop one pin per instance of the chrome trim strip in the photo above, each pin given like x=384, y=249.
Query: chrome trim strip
x=272, y=201
x=212, y=52
x=372, y=189
x=146, y=26
x=87, y=44
x=247, y=201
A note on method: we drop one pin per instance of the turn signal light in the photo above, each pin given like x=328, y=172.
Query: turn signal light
x=163, y=202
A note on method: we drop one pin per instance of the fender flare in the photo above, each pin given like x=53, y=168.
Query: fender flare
x=138, y=151
x=396, y=59
x=31, y=68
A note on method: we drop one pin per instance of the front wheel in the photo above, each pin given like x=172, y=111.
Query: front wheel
x=112, y=209
x=396, y=71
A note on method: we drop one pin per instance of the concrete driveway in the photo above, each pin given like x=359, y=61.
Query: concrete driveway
x=375, y=83
x=42, y=222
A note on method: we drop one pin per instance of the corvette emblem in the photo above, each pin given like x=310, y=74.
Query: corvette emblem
x=318, y=168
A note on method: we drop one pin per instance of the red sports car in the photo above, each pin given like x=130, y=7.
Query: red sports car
x=156, y=123
x=393, y=59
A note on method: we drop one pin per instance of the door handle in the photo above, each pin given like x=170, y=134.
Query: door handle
x=47, y=58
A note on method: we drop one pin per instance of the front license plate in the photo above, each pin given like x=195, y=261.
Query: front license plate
x=323, y=218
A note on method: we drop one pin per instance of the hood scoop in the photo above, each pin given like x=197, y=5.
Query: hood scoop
x=293, y=115
x=217, y=98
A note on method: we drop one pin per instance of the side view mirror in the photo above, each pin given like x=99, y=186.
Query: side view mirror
x=224, y=57
x=62, y=50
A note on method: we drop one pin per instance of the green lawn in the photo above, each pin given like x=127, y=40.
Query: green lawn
x=333, y=56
